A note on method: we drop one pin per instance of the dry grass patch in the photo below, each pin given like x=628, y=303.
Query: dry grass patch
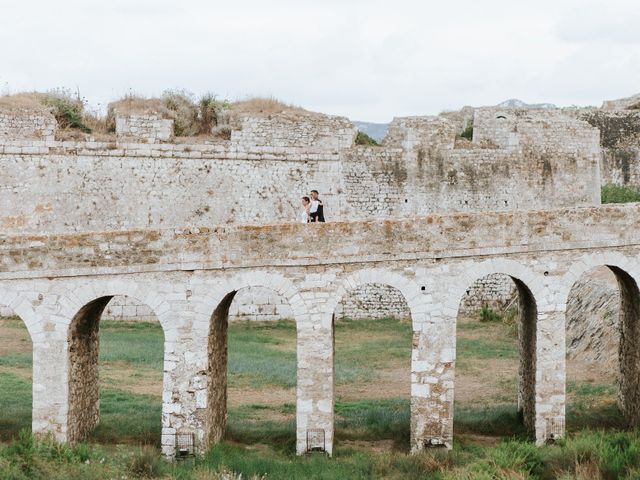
x=24, y=101
x=265, y=105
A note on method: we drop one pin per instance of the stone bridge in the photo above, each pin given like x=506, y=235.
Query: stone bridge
x=60, y=283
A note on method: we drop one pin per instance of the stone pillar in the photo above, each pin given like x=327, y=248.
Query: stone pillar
x=550, y=374
x=629, y=350
x=314, y=391
x=432, y=382
x=185, y=397
x=50, y=375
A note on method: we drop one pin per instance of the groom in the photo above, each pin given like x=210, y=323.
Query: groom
x=316, y=212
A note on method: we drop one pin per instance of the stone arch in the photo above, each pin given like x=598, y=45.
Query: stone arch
x=212, y=297
x=626, y=272
x=23, y=309
x=508, y=267
x=415, y=299
x=531, y=298
x=22, y=409
x=412, y=294
x=217, y=302
x=84, y=306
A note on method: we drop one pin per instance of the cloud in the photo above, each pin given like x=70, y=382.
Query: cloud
x=615, y=22
x=370, y=60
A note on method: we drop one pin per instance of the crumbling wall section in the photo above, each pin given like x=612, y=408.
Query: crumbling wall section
x=24, y=123
x=293, y=129
x=553, y=130
x=143, y=127
x=620, y=142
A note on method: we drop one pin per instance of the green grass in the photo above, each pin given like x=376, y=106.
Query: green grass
x=499, y=420
x=374, y=420
x=260, y=438
x=614, y=455
x=611, y=193
x=15, y=398
x=263, y=354
x=136, y=343
x=473, y=349
x=128, y=418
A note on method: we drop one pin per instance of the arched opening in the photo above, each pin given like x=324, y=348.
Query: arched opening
x=252, y=370
x=372, y=333
x=15, y=375
x=603, y=350
x=115, y=375
x=495, y=359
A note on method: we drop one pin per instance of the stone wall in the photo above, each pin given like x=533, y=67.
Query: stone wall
x=57, y=283
x=293, y=129
x=497, y=291
x=26, y=123
x=593, y=326
x=620, y=143
x=143, y=127
x=373, y=300
x=547, y=130
x=258, y=175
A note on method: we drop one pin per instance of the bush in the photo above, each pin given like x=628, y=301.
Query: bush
x=181, y=102
x=210, y=112
x=487, y=314
x=147, y=463
x=468, y=131
x=67, y=109
x=619, y=194
x=364, y=139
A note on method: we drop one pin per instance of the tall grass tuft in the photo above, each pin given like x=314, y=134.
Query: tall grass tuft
x=611, y=193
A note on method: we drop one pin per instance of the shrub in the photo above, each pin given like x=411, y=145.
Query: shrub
x=487, y=314
x=210, y=112
x=468, y=131
x=611, y=193
x=181, y=102
x=67, y=108
x=147, y=463
x=364, y=139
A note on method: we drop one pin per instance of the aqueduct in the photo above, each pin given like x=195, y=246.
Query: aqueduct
x=59, y=284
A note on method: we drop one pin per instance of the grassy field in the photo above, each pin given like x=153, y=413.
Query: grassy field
x=372, y=411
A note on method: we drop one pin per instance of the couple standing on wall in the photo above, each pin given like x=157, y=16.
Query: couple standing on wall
x=312, y=208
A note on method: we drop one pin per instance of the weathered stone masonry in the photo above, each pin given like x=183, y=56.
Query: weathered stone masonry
x=58, y=284
x=139, y=181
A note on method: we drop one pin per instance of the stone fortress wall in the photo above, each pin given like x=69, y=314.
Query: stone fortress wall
x=517, y=159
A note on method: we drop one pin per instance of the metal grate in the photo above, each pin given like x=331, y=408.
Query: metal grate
x=185, y=445
x=316, y=440
x=555, y=428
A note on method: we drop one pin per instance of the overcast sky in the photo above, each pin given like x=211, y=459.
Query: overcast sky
x=368, y=60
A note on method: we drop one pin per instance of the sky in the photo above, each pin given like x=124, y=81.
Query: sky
x=367, y=60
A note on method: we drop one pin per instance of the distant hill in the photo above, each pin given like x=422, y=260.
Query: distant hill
x=515, y=103
x=377, y=131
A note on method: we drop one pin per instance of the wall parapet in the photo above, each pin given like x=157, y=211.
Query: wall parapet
x=433, y=237
x=26, y=123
